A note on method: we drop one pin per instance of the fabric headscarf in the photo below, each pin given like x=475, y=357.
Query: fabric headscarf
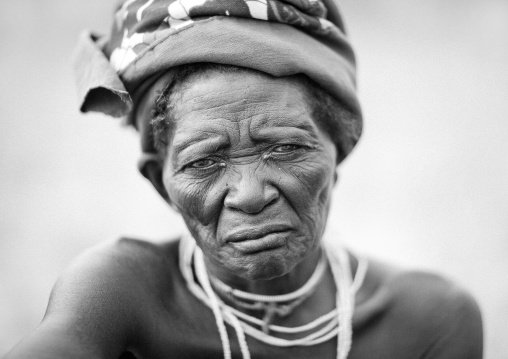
x=149, y=37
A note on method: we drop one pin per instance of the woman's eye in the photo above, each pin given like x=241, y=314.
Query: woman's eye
x=204, y=163
x=285, y=148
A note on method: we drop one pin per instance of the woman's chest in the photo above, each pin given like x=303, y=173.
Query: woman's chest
x=187, y=329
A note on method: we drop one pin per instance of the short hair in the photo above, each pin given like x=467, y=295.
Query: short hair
x=334, y=118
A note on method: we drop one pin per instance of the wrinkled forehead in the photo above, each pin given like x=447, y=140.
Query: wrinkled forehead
x=214, y=100
x=236, y=96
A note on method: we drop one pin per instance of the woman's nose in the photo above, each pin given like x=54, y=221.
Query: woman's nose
x=250, y=191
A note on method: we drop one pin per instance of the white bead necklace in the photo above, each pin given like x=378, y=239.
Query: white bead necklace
x=281, y=305
x=338, y=321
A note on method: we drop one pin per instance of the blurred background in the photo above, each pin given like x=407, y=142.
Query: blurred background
x=426, y=187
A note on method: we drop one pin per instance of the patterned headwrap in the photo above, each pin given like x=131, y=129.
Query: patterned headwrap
x=149, y=37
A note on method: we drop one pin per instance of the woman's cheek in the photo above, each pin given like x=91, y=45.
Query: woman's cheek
x=197, y=199
x=309, y=180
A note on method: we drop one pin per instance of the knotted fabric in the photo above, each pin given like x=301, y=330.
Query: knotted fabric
x=149, y=37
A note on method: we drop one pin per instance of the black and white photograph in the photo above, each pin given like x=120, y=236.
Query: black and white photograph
x=237, y=179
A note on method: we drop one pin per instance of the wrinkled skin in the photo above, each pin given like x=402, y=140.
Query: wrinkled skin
x=251, y=173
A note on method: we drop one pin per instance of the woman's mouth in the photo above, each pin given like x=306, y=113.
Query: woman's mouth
x=253, y=240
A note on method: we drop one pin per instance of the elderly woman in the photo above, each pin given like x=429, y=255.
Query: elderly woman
x=245, y=109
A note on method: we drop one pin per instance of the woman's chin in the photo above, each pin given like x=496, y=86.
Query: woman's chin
x=267, y=266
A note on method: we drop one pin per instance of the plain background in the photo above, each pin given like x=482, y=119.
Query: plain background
x=426, y=187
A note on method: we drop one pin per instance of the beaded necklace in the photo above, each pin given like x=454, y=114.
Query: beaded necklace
x=338, y=321
x=281, y=305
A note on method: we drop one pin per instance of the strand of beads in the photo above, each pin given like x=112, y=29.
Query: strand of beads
x=336, y=322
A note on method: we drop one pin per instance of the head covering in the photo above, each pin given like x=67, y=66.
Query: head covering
x=278, y=37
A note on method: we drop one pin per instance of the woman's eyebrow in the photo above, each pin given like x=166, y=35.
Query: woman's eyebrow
x=182, y=142
x=301, y=131
x=287, y=121
x=203, y=143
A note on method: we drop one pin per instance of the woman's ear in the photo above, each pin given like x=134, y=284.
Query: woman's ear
x=335, y=176
x=151, y=166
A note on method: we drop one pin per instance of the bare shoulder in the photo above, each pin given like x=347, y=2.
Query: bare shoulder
x=425, y=293
x=111, y=277
x=429, y=311
x=450, y=315
x=102, y=302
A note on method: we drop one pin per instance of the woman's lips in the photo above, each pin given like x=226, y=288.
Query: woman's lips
x=252, y=241
x=254, y=232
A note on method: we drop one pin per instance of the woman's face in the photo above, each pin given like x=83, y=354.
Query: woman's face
x=250, y=172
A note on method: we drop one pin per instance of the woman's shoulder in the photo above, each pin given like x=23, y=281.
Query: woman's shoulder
x=125, y=262
x=420, y=292
x=103, y=302
x=425, y=309
x=417, y=287
x=115, y=279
